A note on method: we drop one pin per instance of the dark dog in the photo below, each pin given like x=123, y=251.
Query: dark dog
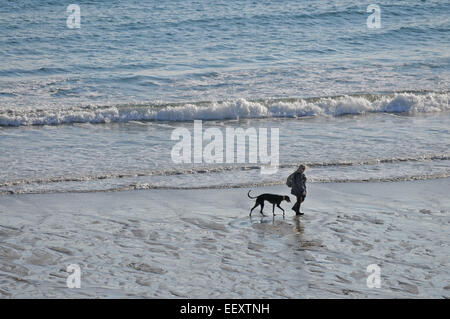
x=275, y=200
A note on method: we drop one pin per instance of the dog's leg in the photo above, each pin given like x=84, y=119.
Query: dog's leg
x=278, y=205
x=256, y=205
x=273, y=209
x=262, y=206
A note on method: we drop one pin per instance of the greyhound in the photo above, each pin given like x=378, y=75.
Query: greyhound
x=275, y=200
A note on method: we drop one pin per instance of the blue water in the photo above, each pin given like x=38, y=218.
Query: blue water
x=188, y=51
x=274, y=63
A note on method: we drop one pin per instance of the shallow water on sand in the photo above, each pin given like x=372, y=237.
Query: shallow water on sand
x=85, y=157
x=202, y=244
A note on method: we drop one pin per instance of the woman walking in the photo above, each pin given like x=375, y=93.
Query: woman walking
x=297, y=181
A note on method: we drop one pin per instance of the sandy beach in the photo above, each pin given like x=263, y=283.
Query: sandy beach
x=202, y=243
x=132, y=131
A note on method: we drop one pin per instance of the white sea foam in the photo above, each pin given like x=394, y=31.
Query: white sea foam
x=235, y=176
x=411, y=103
x=222, y=169
x=149, y=186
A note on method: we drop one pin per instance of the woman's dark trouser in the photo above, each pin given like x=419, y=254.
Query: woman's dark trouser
x=300, y=200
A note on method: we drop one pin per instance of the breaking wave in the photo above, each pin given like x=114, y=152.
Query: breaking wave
x=406, y=102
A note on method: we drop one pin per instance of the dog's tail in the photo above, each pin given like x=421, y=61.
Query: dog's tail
x=248, y=194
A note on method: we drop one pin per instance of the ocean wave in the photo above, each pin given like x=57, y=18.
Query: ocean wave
x=407, y=102
x=36, y=71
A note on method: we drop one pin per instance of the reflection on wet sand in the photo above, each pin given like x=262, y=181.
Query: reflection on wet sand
x=134, y=244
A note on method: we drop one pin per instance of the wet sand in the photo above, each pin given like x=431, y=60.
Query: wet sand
x=202, y=243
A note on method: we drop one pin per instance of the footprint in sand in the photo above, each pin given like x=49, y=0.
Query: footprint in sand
x=410, y=288
x=147, y=268
x=40, y=257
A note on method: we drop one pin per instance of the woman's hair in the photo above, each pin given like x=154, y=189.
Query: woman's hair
x=302, y=167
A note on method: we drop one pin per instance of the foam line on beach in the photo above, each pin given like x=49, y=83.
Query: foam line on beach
x=219, y=169
x=397, y=103
x=147, y=186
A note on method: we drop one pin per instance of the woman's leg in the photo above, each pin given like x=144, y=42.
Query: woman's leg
x=300, y=200
x=296, y=207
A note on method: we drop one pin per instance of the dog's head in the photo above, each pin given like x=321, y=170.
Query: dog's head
x=287, y=199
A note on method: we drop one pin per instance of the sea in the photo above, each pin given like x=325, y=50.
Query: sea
x=90, y=94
